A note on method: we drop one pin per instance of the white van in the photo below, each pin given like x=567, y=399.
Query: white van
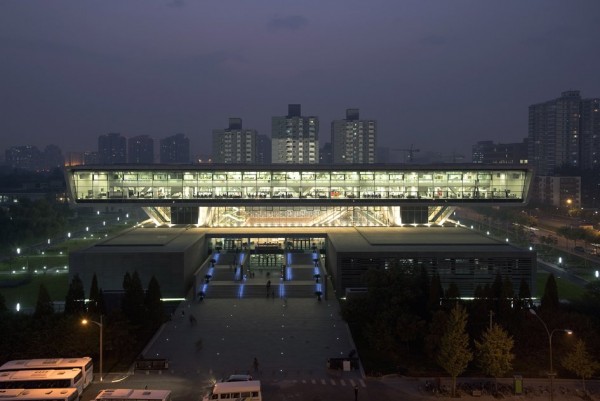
x=245, y=390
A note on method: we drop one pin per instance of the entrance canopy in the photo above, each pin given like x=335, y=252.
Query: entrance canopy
x=298, y=185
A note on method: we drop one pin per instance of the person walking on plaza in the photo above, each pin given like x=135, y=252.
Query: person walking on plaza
x=268, y=287
x=255, y=364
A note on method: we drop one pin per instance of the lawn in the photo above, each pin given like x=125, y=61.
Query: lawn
x=566, y=289
x=26, y=294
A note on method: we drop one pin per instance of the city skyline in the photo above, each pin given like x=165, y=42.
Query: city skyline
x=75, y=71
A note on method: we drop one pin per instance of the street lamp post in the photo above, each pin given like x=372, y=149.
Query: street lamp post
x=101, y=326
x=551, y=374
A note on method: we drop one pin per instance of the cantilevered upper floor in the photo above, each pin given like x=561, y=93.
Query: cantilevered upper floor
x=298, y=185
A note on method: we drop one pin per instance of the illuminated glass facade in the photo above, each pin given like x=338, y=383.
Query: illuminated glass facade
x=237, y=195
x=234, y=185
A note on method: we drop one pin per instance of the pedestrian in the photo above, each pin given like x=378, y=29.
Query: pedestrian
x=255, y=364
x=355, y=393
x=182, y=313
x=268, y=286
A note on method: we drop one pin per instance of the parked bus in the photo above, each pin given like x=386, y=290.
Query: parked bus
x=244, y=390
x=127, y=394
x=39, y=394
x=84, y=363
x=59, y=378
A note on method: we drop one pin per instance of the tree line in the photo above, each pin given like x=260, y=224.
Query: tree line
x=47, y=334
x=408, y=323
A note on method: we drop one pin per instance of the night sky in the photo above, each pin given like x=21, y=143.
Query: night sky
x=437, y=74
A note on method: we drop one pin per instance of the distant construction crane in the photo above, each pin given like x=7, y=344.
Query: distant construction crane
x=410, y=152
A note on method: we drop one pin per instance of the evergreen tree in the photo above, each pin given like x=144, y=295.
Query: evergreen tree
x=497, y=293
x=94, y=303
x=494, y=352
x=550, y=298
x=497, y=286
x=454, y=353
x=436, y=292
x=133, y=299
x=126, y=282
x=44, y=307
x=452, y=294
x=507, y=288
x=580, y=362
x=434, y=335
x=422, y=287
x=524, y=294
x=3, y=307
x=505, y=300
x=478, y=311
x=153, y=303
x=75, y=299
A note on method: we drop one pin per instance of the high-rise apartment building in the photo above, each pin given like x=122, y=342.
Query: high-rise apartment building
x=112, y=149
x=590, y=133
x=31, y=158
x=24, y=157
x=488, y=152
x=353, y=141
x=234, y=144
x=91, y=158
x=295, y=138
x=140, y=150
x=175, y=149
x=564, y=132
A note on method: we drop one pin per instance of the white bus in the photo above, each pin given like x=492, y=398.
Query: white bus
x=84, y=363
x=59, y=378
x=121, y=394
x=244, y=390
x=39, y=394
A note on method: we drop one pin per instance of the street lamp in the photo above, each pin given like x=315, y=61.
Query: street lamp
x=551, y=374
x=99, y=324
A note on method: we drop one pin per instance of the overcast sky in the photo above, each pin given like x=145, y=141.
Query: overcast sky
x=437, y=74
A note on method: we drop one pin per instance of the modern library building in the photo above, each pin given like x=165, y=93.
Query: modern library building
x=309, y=224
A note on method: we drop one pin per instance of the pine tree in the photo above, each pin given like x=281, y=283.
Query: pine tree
x=550, y=298
x=422, y=284
x=452, y=294
x=524, y=294
x=436, y=292
x=153, y=303
x=3, y=307
x=133, y=299
x=44, y=307
x=126, y=281
x=494, y=352
x=94, y=302
x=497, y=294
x=454, y=353
x=580, y=362
x=75, y=299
